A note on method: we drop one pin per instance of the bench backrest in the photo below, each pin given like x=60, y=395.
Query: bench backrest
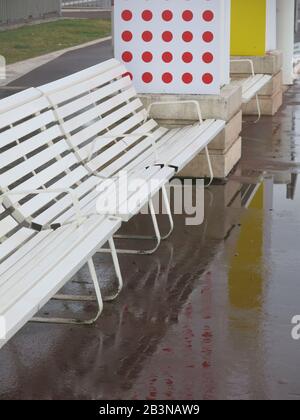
x=100, y=101
x=33, y=154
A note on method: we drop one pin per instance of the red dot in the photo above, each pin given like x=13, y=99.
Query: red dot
x=127, y=36
x=187, y=36
x=167, y=57
x=147, y=77
x=127, y=56
x=147, y=15
x=208, y=36
x=208, y=57
x=187, y=57
x=167, y=78
x=128, y=74
x=167, y=36
x=208, y=15
x=167, y=15
x=187, y=78
x=187, y=15
x=127, y=15
x=147, y=36
x=147, y=57
x=207, y=78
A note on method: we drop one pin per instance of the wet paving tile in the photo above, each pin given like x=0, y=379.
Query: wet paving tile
x=208, y=316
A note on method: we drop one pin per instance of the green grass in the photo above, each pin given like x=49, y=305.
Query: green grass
x=34, y=40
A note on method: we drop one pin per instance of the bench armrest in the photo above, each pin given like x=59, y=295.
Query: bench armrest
x=75, y=200
x=245, y=60
x=163, y=103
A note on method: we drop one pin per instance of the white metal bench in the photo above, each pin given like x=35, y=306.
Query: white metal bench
x=252, y=85
x=46, y=231
x=49, y=224
x=114, y=132
x=59, y=144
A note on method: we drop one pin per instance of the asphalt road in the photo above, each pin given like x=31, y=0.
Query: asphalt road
x=64, y=65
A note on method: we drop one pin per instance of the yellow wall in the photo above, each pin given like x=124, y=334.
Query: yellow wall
x=248, y=27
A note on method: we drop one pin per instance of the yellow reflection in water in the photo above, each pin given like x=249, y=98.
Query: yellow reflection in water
x=246, y=266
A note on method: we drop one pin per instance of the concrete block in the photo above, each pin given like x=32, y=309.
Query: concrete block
x=274, y=86
x=223, y=106
x=271, y=63
x=269, y=105
x=222, y=163
x=228, y=136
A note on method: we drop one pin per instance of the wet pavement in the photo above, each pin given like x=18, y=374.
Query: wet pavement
x=208, y=316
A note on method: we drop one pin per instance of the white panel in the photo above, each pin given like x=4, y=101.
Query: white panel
x=151, y=18
x=271, y=25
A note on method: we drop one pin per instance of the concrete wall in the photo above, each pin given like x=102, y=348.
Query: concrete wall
x=285, y=37
x=18, y=10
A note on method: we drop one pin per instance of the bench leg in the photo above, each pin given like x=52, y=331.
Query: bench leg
x=152, y=238
x=73, y=298
x=210, y=168
x=157, y=237
x=117, y=270
x=258, y=109
x=169, y=213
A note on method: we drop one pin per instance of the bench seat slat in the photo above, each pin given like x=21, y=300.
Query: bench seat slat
x=29, y=146
x=64, y=93
x=105, y=123
x=165, y=139
x=31, y=164
x=14, y=242
x=40, y=200
x=92, y=97
x=121, y=146
x=129, y=124
x=21, y=112
x=253, y=86
x=45, y=176
x=190, y=151
x=26, y=128
x=6, y=282
x=66, y=261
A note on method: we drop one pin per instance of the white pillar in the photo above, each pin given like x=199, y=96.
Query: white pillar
x=285, y=36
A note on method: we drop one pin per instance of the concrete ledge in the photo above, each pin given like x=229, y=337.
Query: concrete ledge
x=269, y=105
x=222, y=163
x=223, y=106
x=270, y=63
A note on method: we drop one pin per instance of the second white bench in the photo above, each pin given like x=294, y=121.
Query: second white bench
x=252, y=85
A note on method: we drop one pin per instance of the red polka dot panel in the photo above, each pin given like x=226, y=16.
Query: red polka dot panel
x=170, y=46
